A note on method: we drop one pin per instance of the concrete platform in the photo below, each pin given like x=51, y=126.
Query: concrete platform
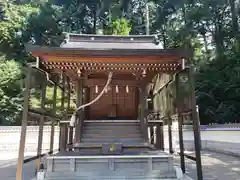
x=148, y=165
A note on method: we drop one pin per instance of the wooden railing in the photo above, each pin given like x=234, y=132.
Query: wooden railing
x=155, y=129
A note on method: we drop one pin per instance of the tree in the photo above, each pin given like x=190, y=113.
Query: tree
x=210, y=27
x=12, y=27
x=10, y=96
x=118, y=27
x=47, y=33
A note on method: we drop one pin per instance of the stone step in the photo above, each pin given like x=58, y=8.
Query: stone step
x=109, y=140
x=126, y=144
x=98, y=124
x=118, y=131
x=107, y=122
x=133, y=177
x=111, y=133
x=110, y=178
x=157, y=165
x=97, y=148
x=111, y=136
x=126, y=151
x=125, y=128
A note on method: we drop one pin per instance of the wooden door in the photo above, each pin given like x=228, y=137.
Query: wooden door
x=113, y=104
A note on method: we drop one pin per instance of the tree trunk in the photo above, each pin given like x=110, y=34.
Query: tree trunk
x=164, y=38
x=186, y=37
x=235, y=27
x=94, y=31
x=218, y=37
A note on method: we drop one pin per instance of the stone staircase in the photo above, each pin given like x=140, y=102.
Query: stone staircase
x=109, y=132
x=125, y=134
x=133, y=158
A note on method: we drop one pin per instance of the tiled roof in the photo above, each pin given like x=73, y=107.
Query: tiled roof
x=98, y=42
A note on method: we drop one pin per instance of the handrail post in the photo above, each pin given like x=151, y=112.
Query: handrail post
x=196, y=125
x=180, y=123
x=41, y=124
x=53, y=120
x=24, y=125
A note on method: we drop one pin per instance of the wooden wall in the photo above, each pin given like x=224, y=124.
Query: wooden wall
x=121, y=105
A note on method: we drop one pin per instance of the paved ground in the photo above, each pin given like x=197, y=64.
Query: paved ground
x=8, y=172
x=215, y=167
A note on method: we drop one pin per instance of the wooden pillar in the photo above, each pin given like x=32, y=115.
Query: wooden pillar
x=198, y=120
x=68, y=95
x=87, y=100
x=159, y=135
x=61, y=139
x=63, y=136
x=24, y=125
x=41, y=124
x=66, y=126
x=169, y=121
x=151, y=133
x=143, y=118
x=79, y=91
x=62, y=131
x=196, y=124
x=85, y=95
x=170, y=146
x=70, y=142
x=180, y=122
x=53, y=121
x=70, y=136
x=137, y=102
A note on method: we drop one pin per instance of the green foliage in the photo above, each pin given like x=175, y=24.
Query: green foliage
x=118, y=27
x=10, y=96
x=218, y=92
x=35, y=100
x=210, y=27
x=47, y=33
x=12, y=28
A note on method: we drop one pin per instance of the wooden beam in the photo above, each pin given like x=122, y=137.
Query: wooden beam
x=169, y=121
x=53, y=121
x=24, y=126
x=40, y=131
x=196, y=125
x=62, y=132
x=115, y=59
x=39, y=112
x=143, y=118
x=180, y=123
x=68, y=94
x=79, y=92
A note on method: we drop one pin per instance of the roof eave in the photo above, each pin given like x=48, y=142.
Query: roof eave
x=180, y=53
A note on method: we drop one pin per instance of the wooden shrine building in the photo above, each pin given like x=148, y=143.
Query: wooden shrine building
x=114, y=77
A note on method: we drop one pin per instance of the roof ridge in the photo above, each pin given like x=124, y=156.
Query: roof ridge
x=71, y=37
x=100, y=35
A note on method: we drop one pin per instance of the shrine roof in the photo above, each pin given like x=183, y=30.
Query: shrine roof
x=89, y=41
x=88, y=44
